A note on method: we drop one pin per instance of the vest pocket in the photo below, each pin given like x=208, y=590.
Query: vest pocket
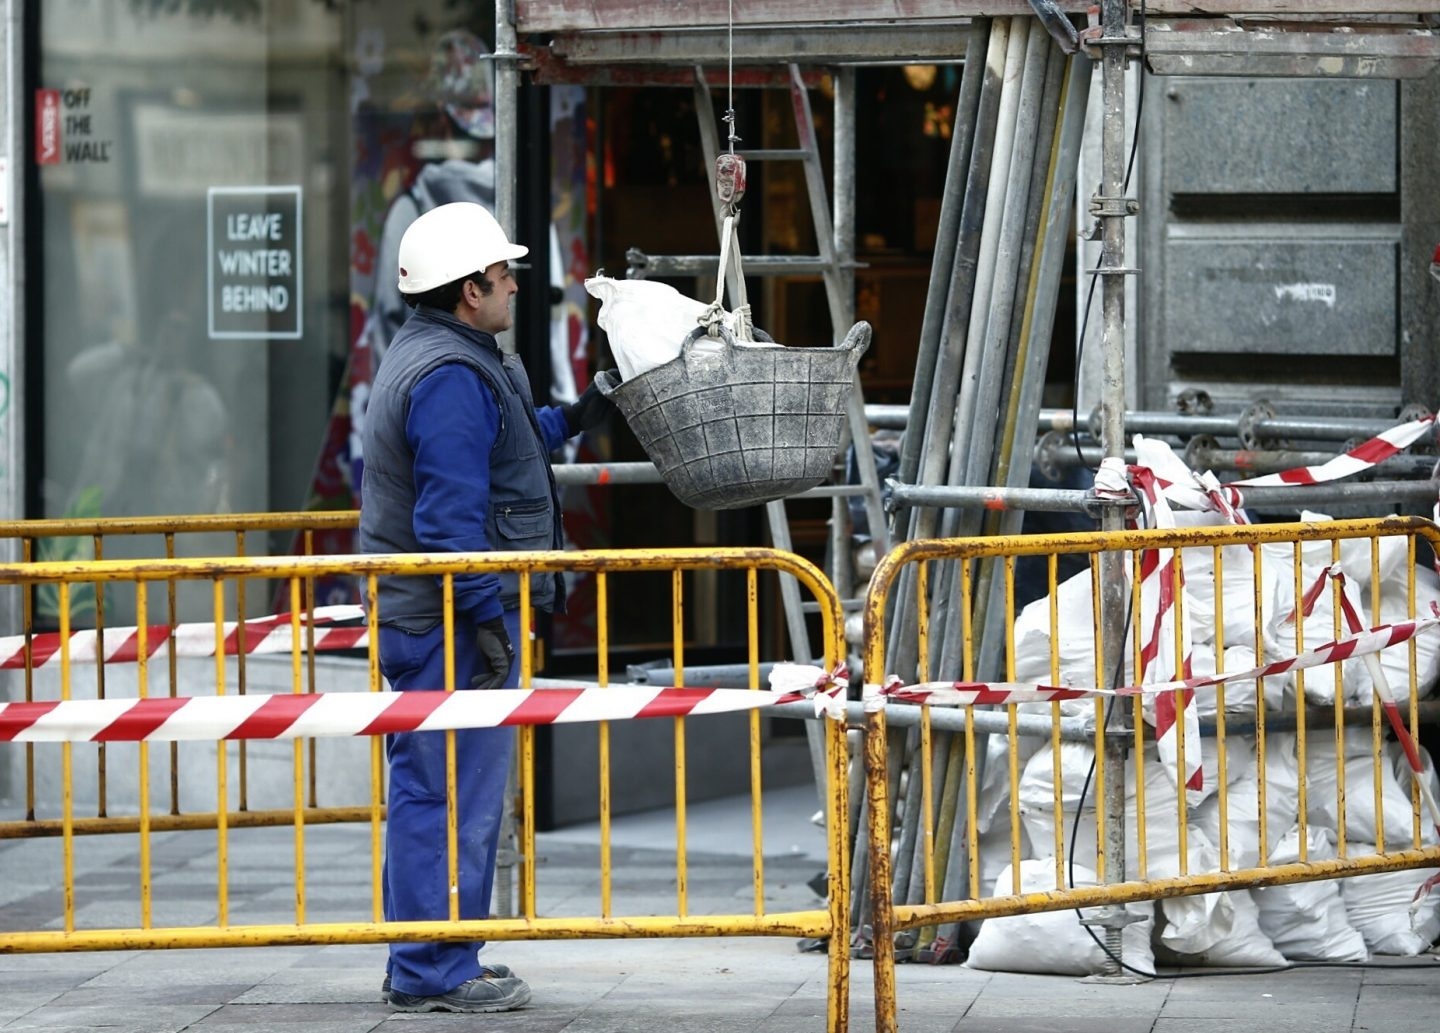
x=525, y=523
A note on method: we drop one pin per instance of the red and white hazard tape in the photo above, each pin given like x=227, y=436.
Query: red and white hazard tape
x=1161, y=479
x=1392, y=712
x=316, y=715
x=961, y=693
x=270, y=634
x=1203, y=492
x=1360, y=458
x=1162, y=577
x=965, y=694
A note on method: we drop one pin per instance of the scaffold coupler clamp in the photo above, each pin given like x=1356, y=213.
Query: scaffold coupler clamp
x=1093, y=40
x=637, y=264
x=1111, y=490
x=1250, y=432
x=1102, y=207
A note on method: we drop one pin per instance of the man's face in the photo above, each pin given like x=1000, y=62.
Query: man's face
x=492, y=311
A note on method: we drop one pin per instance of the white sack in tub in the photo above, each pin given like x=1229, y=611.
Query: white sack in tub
x=646, y=321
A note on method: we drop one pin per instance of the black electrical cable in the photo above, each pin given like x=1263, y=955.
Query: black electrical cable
x=1095, y=276
x=1110, y=709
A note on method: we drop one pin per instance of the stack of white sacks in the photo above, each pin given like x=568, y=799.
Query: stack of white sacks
x=1328, y=920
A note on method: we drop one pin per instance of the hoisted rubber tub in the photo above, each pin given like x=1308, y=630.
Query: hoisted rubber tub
x=735, y=423
x=730, y=425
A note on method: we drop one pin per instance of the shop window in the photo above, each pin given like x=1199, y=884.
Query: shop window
x=189, y=295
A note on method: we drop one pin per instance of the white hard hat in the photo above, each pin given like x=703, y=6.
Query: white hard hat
x=449, y=242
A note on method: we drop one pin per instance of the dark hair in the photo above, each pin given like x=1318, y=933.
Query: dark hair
x=447, y=295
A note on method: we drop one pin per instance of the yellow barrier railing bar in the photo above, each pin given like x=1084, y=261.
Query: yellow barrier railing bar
x=142, y=676
x=67, y=771
x=526, y=739
x=452, y=835
x=757, y=826
x=1052, y=578
x=1182, y=801
x=1302, y=753
x=927, y=787
x=377, y=753
x=602, y=624
x=1013, y=732
x=299, y=574
x=972, y=789
x=240, y=681
x=1222, y=753
x=100, y=753
x=1101, y=678
x=1376, y=732
x=1262, y=807
x=222, y=787
x=890, y=916
x=1337, y=706
x=1414, y=697
x=682, y=888
x=297, y=749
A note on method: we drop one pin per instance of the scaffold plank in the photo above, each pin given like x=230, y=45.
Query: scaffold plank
x=545, y=16
x=868, y=43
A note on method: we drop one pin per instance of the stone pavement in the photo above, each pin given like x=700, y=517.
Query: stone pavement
x=710, y=985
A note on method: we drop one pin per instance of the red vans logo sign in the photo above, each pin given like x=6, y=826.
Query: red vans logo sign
x=47, y=127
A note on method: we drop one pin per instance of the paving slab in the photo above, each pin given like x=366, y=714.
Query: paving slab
x=692, y=985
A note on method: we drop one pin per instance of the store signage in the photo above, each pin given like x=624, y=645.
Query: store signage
x=65, y=129
x=47, y=127
x=255, y=262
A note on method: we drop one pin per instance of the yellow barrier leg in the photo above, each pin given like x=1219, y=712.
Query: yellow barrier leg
x=882, y=933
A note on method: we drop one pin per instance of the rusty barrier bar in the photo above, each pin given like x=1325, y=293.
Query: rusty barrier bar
x=95, y=538
x=237, y=916
x=1331, y=797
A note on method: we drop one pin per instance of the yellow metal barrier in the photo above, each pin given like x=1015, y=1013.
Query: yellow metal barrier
x=1272, y=770
x=241, y=919
x=95, y=538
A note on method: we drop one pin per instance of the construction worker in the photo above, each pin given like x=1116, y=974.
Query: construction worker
x=456, y=461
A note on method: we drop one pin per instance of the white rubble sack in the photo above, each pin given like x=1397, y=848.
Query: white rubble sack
x=1218, y=929
x=1278, y=577
x=1378, y=906
x=1400, y=765
x=1242, y=806
x=1395, y=661
x=1323, y=799
x=1037, y=804
x=1054, y=942
x=1307, y=920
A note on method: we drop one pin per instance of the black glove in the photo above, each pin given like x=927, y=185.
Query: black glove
x=586, y=412
x=493, y=641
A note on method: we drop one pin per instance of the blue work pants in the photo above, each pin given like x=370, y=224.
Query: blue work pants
x=416, y=859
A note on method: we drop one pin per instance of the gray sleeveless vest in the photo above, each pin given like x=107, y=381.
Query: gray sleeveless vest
x=524, y=509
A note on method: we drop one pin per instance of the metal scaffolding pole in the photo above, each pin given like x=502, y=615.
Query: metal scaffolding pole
x=940, y=407
x=507, y=153
x=947, y=234
x=1033, y=351
x=975, y=371
x=507, y=137
x=980, y=383
x=1113, y=208
x=1255, y=423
